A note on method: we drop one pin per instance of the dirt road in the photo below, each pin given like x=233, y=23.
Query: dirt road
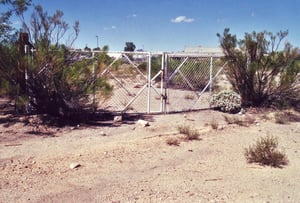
x=130, y=163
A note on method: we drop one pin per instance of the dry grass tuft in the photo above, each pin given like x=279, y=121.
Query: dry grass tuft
x=172, y=141
x=241, y=121
x=214, y=124
x=281, y=118
x=189, y=132
x=249, y=120
x=189, y=96
x=265, y=152
x=234, y=120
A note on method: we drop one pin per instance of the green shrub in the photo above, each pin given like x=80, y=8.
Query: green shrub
x=261, y=73
x=265, y=152
x=226, y=101
x=58, y=81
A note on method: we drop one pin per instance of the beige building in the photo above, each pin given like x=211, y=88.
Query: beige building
x=214, y=51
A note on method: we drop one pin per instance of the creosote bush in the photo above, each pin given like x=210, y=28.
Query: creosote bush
x=189, y=132
x=52, y=79
x=226, y=101
x=265, y=152
x=259, y=70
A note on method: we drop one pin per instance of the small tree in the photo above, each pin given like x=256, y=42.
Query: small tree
x=130, y=46
x=56, y=84
x=257, y=70
x=10, y=57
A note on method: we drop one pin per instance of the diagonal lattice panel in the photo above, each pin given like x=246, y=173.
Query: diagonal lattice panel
x=127, y=80
x=144, y=82
x=129, y=75
x=187, y=77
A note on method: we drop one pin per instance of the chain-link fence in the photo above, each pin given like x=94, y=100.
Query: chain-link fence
x=148, y=82
x=190, y=81
x=137, y=82
x=145, y=82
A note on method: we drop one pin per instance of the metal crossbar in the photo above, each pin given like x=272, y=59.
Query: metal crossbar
x=175, y=82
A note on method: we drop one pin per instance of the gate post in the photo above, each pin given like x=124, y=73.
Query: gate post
x=210, y=75
x=165, y=83
x=149, y=83
x=94, y=84
x=162, y=79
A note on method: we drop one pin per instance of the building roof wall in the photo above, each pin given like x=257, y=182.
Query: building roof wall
x=204, y=50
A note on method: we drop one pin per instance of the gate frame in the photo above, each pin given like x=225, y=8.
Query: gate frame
x=177, y=69
x=163, y=72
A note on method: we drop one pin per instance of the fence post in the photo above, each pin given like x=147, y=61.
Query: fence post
x=94, y=83
x=162, y=82
x=149, y=83
x=211, y=75
x=165, y=82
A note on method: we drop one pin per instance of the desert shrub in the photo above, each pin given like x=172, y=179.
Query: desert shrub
x=249, y=120
x=241, y=121
x=265, y=152
x=63, y=88
x=189, y=96
x=214, y=124
x=226, y=101
x=281, y=118
x=155, y=66
x=229, y=119
x=172, y=141
x=143, y=67
x=189, y=132
x=234, y=120
x=261, y=73
x=52, y=79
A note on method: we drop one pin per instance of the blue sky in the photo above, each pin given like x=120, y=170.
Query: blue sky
x=171, y=25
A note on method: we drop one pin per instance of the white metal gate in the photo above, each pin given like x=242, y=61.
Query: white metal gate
x=159, y=82
x=190, y=80
x=138, y=87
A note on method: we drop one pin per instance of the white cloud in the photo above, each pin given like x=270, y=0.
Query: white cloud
x=182, y=19
x=132, y=16
x=113, y=27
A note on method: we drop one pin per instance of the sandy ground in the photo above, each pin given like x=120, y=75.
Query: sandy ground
x=130, y=163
